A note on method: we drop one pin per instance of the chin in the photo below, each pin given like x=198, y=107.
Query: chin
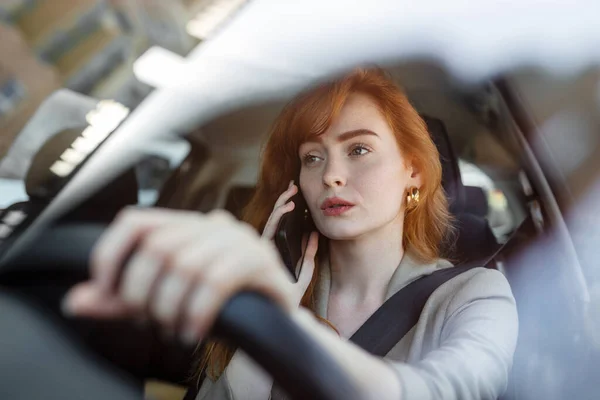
x=339, y=231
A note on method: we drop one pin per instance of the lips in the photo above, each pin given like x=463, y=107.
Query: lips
x=334, y=202
x=335, y=206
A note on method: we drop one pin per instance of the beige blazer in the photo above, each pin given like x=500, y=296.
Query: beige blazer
x=461, y=347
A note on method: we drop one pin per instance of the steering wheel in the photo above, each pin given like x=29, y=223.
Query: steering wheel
x=38, y=359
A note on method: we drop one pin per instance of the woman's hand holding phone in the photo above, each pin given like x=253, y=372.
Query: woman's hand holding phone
x=282, y=206
x=306, y=264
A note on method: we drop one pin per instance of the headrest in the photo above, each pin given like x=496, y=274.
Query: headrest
x=451, y=180
x=53, y=133
x=476, y=201
x=62, y=110
x=40, y=183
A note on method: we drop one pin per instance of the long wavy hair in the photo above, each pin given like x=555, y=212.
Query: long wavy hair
x=310, y=115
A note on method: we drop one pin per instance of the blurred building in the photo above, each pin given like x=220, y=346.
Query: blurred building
x=176, y=25
x=84, y=40
x=88, y=46
x=162, y=23
x=24, y=84
x=78, y=44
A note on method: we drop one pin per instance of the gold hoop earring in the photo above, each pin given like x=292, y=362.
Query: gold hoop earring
x=412, y=198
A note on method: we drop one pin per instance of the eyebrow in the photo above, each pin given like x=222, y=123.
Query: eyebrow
x=349, y=135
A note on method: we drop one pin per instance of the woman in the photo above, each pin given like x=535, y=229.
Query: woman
x=371, y=178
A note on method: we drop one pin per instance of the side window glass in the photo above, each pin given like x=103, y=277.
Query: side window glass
x=500, y=197
x=501, y=218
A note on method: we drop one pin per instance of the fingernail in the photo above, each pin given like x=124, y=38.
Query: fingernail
x=291, y=183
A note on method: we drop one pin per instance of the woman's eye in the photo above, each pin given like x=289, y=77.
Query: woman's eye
x=310, y=159
x=359, y=150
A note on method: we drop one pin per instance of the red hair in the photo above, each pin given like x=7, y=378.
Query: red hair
x=309, y=115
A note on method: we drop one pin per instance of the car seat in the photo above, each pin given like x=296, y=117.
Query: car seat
x=473, y=239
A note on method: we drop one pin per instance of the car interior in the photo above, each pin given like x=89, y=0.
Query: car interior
x=487, y=176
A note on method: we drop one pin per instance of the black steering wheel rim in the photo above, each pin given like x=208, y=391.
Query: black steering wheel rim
x=298, y=364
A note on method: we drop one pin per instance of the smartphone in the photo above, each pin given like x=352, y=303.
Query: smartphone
x=290, y=230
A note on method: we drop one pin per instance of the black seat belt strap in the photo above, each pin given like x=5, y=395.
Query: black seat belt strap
x=384, y=329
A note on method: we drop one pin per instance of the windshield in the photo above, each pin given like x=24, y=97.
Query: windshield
x=107, y=104
x=85, y=48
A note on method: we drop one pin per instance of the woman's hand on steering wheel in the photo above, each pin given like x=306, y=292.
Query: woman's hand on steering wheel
x=180, y=268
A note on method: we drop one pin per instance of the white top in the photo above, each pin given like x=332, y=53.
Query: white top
x=461, y=347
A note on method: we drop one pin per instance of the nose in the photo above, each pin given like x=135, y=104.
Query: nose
x=334, y=174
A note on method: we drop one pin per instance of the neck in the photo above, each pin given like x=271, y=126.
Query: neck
x=361, y=268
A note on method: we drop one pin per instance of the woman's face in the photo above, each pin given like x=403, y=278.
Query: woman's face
x=354, y=178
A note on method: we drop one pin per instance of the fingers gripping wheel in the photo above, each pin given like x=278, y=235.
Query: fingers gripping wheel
x=301, y=367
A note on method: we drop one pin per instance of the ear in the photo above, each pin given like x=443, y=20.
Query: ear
x=415, y=177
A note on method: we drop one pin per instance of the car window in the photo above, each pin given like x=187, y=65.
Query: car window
x=84, y=46
x=502, y=219
x=490, y=168
x=13, y=191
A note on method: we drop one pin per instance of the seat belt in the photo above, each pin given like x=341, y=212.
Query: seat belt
x=384, y=329
x=388, y=325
